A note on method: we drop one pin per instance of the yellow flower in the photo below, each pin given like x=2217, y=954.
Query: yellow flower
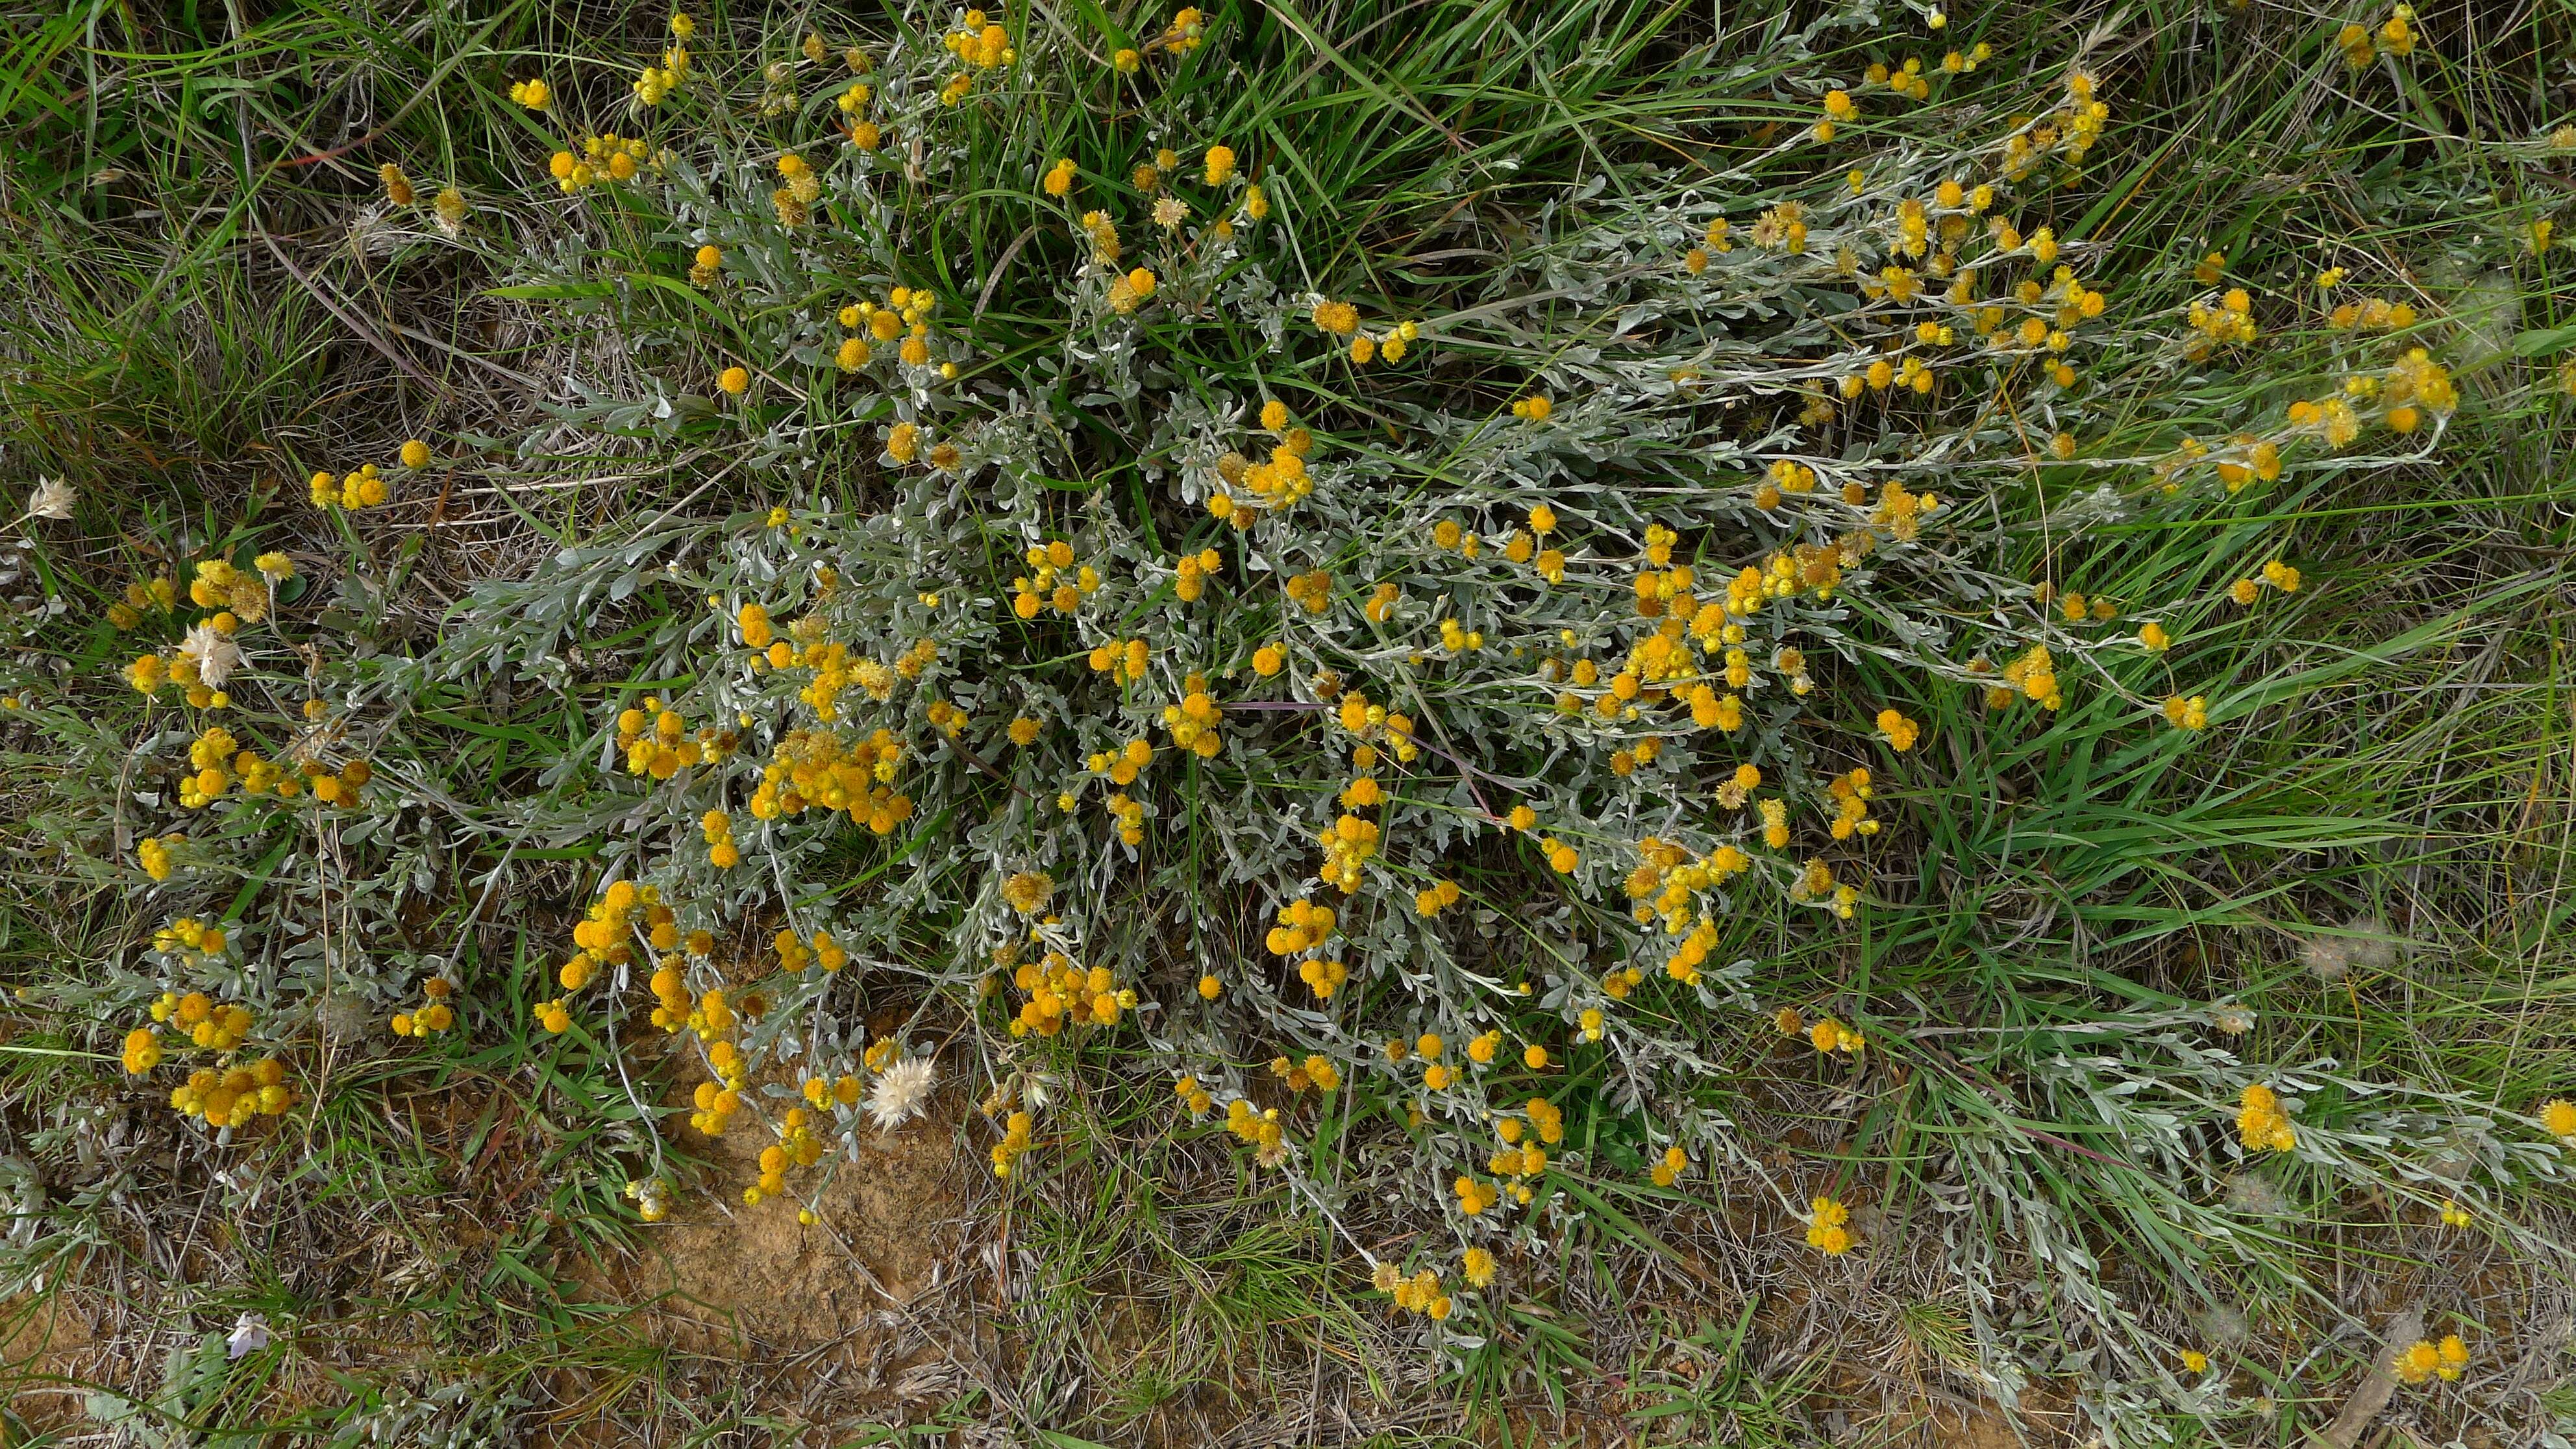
x=2558, y=1117
x=1220, y=165
x=734, y=380
x=1828, y=1230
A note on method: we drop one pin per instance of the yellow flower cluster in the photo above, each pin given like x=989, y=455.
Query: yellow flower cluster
x=1829, y=1035
x=1191, y=571
x=2033, y=675
x=1303, y=927
x=1828, y=1227
x=605, y=936
x=655, y=741
x=188, y=935
x=819, y=768
x=1017, y=1137
x=794, y=201
x=2395, y=36
x=142, y=1051
x=2371, y=314
x=243, y=595
x=979, y=43
x=435, y=1015
x=2229, y=324
x=153, y=854
x=156, y=596
x=1419, y=1293
x=1276, y=484
x=1669, y=1168
x=1851, y=792
x=363, y=489
x=902, y=318
x=797, y=1146
x=212, y=1026
x=1194, y=721
x=1054, y=583
x=1261, y=1129
x=1062, y=994
x=657, y=82
x=233, y=1096
x=2261, y=1123
x=1125, y=664
x=2424, y=1360
x=714, y=1102
x=1315, y=1073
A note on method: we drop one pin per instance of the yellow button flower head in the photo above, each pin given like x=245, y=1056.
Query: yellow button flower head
x=532, y=94
x=734, y=380
x=1220, y=165
x=2558, y=1118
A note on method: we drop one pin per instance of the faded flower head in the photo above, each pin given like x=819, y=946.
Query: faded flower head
x=52, y=499
x=901, y=1092
x=2256, y=1195
x=214, y=652
x=1028, y=891
x=2364, y=943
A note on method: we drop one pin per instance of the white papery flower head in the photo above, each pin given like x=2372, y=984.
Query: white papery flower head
x=215, y=653
x=902, y=1091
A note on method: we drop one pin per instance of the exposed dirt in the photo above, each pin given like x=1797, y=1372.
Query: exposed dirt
x=726, y=1277
x=818, y=1323
x=44, y=1342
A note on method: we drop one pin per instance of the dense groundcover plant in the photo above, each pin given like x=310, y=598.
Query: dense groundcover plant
x=1410, y=662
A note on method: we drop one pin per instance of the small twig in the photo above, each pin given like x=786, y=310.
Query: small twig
x=2376, y=1388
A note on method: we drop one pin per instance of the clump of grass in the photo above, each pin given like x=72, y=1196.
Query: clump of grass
x=1549, y=622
